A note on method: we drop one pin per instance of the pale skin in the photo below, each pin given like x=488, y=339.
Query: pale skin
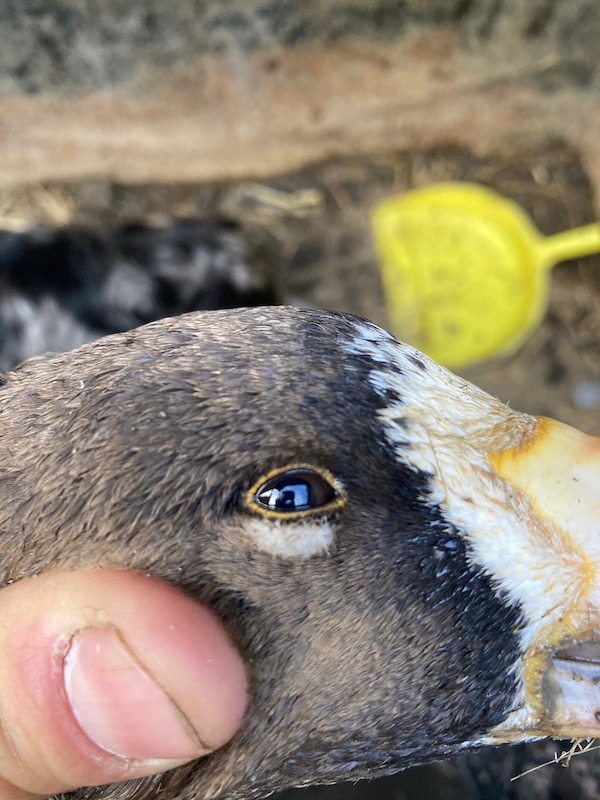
x=107, y=675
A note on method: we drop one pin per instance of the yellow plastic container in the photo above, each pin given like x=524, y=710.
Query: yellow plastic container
x=465, y=272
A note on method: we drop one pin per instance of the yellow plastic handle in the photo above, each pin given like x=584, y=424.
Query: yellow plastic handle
x=584, y=241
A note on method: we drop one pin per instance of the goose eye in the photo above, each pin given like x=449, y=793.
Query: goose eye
x=293, y=491
x=297, y=490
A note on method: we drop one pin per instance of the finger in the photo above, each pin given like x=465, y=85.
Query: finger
x=109, y=675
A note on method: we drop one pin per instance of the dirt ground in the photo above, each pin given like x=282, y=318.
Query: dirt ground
x=309, y=233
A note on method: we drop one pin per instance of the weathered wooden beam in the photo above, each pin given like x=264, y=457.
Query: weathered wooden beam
x=199, y=91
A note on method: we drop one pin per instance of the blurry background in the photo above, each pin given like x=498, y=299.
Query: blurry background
x=161, y=156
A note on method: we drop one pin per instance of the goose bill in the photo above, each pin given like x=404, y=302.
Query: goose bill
x=559, y=471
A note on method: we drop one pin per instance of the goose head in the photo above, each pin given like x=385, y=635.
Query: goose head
x=409, y=567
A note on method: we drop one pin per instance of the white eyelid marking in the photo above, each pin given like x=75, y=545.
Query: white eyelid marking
x=295, y=539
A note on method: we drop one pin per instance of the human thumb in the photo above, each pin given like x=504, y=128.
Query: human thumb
x=106, y=676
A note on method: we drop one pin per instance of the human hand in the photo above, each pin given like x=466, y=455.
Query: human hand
x=108, y=675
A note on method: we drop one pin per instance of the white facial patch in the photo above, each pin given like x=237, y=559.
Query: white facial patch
x=294, y=539
x=445, y=427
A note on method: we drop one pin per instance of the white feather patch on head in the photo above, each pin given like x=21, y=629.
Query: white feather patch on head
x=446, y=428
x=294, y=539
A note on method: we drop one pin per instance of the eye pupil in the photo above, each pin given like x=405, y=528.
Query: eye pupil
x=295, y=490
x=291, y=497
